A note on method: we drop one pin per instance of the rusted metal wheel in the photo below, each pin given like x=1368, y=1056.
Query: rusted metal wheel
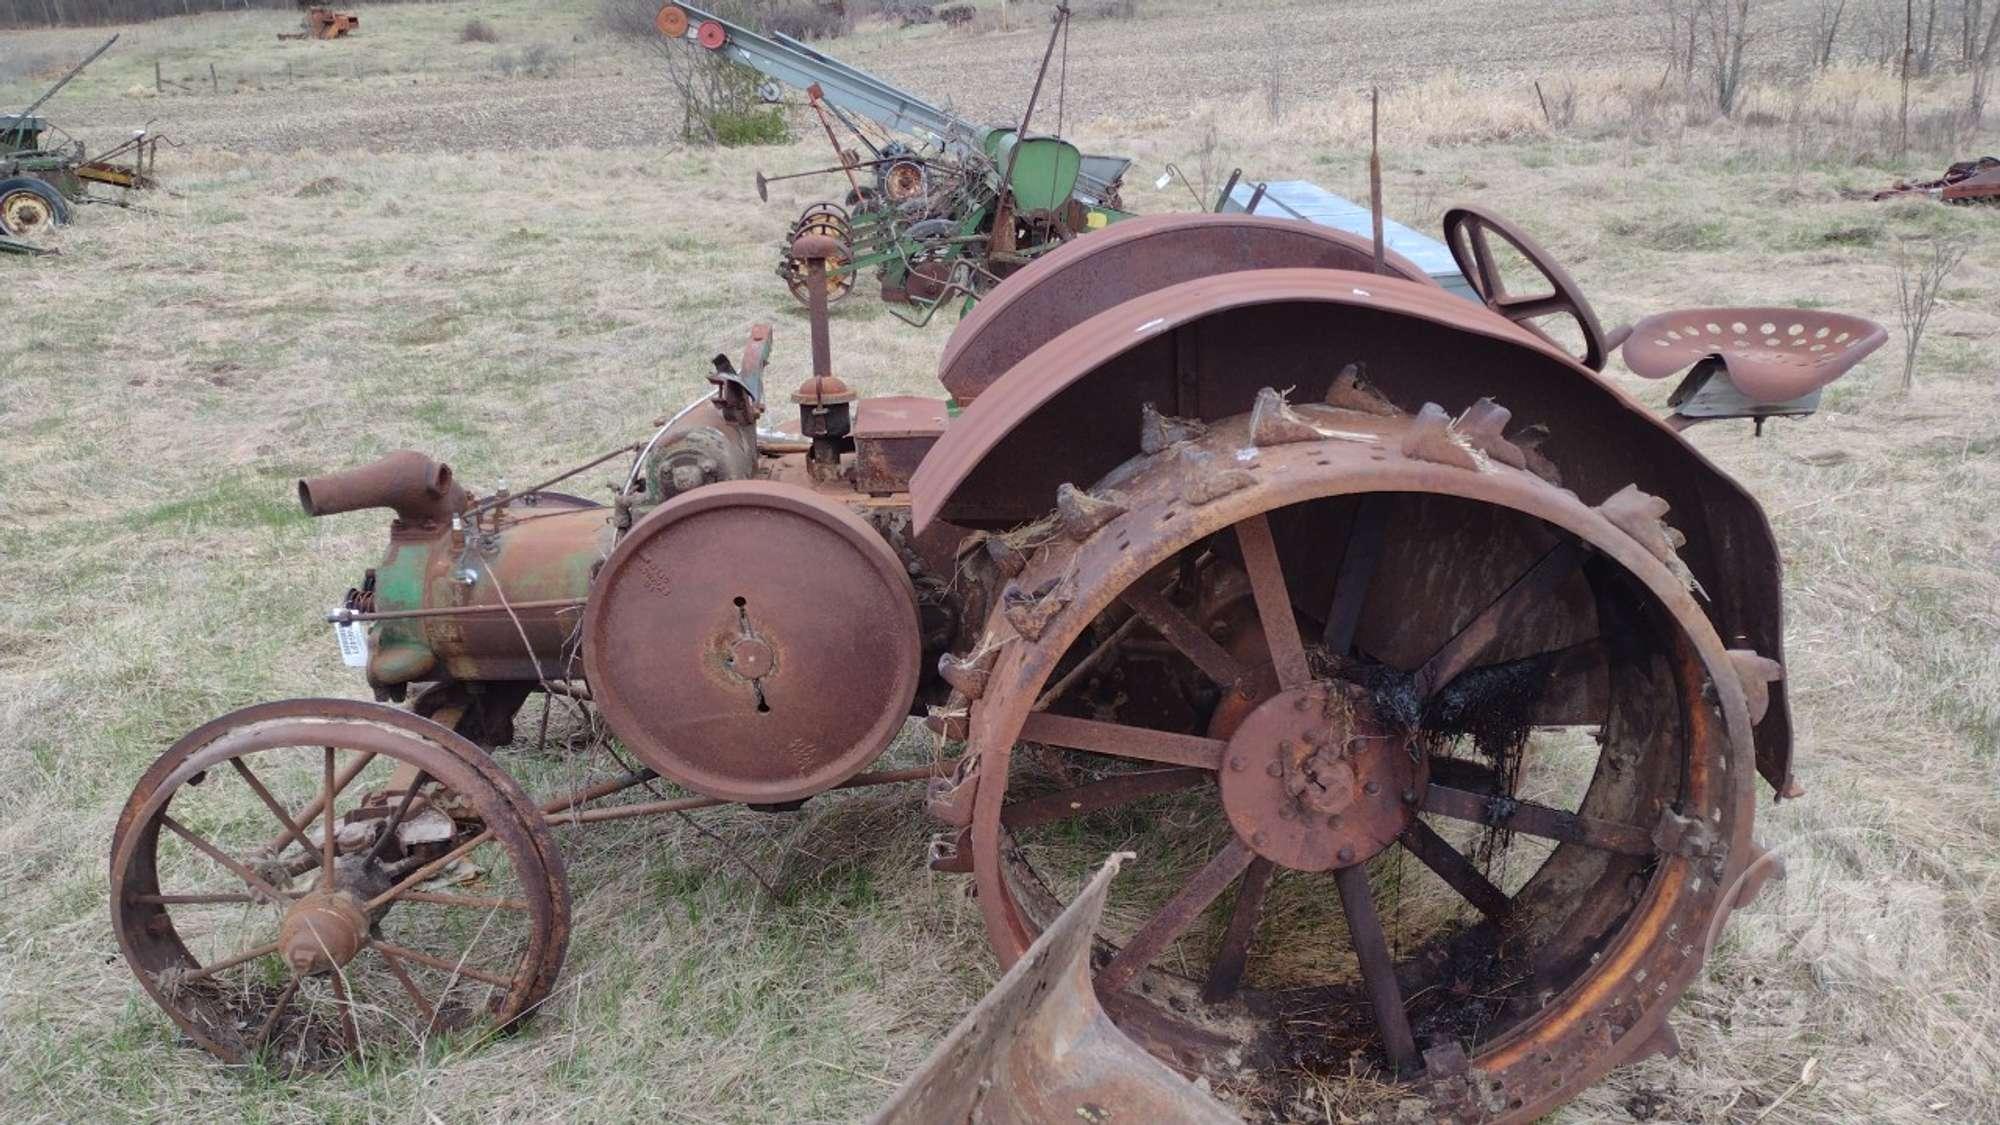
x=823, y=211
x=436, y=905
x=904, y=181
x=1436, y=774
x=824, y=219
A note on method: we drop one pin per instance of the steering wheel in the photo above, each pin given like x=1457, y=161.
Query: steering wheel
x=1468, y=231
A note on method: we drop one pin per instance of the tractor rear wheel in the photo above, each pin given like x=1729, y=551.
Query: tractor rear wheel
x=1441, y=776
x=29, y=207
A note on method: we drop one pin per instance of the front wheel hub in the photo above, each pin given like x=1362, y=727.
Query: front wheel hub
x=1313, y=780
x=322, y=932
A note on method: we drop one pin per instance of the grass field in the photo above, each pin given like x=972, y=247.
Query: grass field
x=408, y=241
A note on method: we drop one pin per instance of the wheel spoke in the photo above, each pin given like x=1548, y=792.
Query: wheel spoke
x=196, y=898
x=1527, y=308
x=1378, y=972
x=1538, y=820
x=1503, y=614
x=292, y=830
x=225, y=965
x=1226, y=973
x=1090, y=660
x=455, y=968
x=402, y=809
x=201, y=845
x=305, y=815
x=470, y=902
x=1566, y=692
x=1483, y=263
x=1357, y=568
x=278, y=1007
x=402, y=975
x=1457, y=871
x=329, y=841
x=1166, y=619
x=1099, y=795
x=1122, y=741
x=1274, y=602
x=1175, y=917
x=350, y=1031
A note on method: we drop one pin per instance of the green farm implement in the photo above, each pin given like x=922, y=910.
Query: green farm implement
x=44, y=173
x=939, y=207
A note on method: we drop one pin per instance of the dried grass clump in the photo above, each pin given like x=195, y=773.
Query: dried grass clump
x=478, y=31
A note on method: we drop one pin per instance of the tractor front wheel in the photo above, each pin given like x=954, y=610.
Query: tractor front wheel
x=29, y=206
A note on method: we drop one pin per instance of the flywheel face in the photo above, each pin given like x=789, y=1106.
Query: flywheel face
x=753, y=642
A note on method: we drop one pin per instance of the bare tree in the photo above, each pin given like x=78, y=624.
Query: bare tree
x=1903, y=108
x=1878, y=32
x=1983, y=51
x=1826, y=31
x=1919, y=280
x=1725, y=27
x=1677, y=39
x=1927, y=53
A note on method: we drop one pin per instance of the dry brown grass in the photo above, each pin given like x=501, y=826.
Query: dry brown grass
x=511, y=274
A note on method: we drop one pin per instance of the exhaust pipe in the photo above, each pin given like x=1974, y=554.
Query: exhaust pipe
x=420, y=490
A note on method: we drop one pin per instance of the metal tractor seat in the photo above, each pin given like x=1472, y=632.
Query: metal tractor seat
x=1753, y=363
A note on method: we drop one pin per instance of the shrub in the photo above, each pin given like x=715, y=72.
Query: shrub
x=719, y=99
x=478, y=31
x=737, y=127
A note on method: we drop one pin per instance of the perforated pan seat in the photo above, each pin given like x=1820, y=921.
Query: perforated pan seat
x=1773, y=355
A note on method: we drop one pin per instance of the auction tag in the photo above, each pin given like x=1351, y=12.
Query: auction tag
x=353, y=639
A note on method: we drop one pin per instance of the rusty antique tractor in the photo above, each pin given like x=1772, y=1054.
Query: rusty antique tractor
x=1429, y=676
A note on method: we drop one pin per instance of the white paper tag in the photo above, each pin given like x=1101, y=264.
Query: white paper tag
x=353, y=639
x=1165, y=179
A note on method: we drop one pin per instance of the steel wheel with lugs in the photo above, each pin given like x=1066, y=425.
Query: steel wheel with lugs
x=1440, y=774
x=437, y=904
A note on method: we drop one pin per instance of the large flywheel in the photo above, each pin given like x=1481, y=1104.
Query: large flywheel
x=1436, y=774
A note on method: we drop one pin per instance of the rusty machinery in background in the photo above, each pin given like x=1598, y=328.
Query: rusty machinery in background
x=1429, y=676
x=1965, y=182
x=941, y=208
x=324, y=23
x=43, y=171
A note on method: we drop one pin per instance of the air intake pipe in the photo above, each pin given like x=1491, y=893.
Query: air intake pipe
x=421, y=491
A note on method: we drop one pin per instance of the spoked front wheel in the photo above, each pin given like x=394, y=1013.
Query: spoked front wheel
x=435, y=902
x=1440, y=775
